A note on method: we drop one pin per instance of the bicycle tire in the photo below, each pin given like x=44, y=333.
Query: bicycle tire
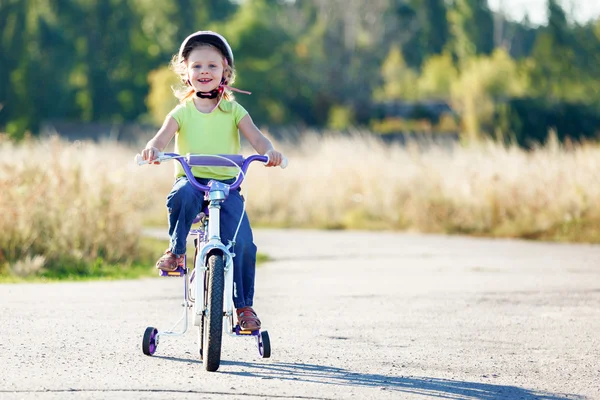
x=213, y=327
x=199, y=296
x=202, y=327
x=201, y=337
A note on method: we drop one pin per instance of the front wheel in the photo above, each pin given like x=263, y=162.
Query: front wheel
x=199, y=299
x=213, y=321
x=201, y=337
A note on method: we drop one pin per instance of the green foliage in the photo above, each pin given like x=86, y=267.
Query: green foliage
x=340, y=118
x=471, y=24
x=161, y=100
x=262, y=53
x=435, y=31
x=304, y=61
x=438, y=75
x=560, y=66
x=400, y=81
x=483, y=83
x=529, y=121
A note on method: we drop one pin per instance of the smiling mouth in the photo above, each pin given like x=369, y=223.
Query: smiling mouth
x=204, y=80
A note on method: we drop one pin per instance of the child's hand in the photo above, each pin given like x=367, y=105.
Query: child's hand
x=275, y=158
x=150, y=154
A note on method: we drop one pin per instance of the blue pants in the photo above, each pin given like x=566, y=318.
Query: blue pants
x=185, y=202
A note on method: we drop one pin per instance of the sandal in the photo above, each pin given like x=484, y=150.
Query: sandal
x=169, y=262
x=247, y=319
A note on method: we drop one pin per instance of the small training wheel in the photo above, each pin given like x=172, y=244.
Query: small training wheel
x=150, y=341
x=264, y=344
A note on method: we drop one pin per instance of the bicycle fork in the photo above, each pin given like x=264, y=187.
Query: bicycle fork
x=216, y=197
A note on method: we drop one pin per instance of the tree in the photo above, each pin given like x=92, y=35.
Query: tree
x=343, y=53
x=484, y=82
x=434, y=26
x=472, y=26
x=553, y=70
x=264, y=60
x=401, y=82
x=12, y=38
x=438, y=75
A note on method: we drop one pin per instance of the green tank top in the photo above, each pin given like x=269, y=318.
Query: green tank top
x=212, y=133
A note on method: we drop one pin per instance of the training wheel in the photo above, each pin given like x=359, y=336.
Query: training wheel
x=264, y=344
x=150, y=341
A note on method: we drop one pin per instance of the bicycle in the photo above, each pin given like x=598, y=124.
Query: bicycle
x=212, y=275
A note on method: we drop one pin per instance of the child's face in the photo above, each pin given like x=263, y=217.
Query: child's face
x=205, y=68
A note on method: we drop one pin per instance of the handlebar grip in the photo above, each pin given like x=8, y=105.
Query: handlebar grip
x=140, y=161
x=284, y=161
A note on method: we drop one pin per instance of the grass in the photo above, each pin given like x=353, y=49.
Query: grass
x=142, y=268
x=76, y=210
x=356, y=182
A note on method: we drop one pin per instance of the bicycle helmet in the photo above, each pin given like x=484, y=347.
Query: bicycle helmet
x=208, y=37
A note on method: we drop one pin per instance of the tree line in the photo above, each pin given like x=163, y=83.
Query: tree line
x=315, y=63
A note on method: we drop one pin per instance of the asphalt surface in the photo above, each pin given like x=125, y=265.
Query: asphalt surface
x=351, y=315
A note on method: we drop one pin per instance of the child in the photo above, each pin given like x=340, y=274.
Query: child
x=206, y=122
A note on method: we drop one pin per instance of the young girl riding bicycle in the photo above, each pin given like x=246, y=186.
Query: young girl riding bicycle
x=208, y=121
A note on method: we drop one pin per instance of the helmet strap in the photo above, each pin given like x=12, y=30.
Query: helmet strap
x=210, y=95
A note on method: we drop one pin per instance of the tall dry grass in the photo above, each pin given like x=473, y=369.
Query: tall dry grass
x=74, y=203
x=69, y=207
x=552, y=192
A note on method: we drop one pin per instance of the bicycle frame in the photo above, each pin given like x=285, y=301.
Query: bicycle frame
x=212, y=241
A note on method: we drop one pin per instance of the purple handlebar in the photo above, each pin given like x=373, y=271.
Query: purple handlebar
x=210, y=161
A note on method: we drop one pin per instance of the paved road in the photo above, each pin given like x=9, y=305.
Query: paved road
x=352, y=315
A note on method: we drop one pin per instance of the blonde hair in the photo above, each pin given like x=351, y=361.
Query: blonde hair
x=185, y=91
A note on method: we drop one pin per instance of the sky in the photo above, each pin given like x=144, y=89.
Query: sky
x=583, y=10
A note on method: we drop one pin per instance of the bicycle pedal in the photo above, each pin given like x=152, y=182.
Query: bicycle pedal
x=240, y=331
x=180, y=271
